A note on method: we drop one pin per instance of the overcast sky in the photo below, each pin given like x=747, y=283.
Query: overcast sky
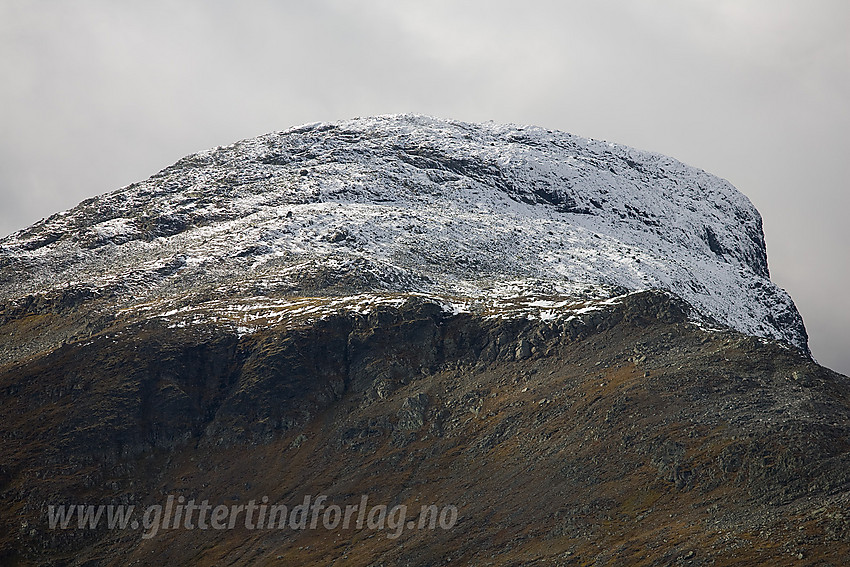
x=97, y=94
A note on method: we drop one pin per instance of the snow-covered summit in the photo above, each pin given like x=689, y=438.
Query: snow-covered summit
x=412, y=204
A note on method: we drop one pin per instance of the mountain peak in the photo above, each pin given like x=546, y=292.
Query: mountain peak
x=476, y=213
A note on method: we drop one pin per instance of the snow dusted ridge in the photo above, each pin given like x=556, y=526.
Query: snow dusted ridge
x=411, y=204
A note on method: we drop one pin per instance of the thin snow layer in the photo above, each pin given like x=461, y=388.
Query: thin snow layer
x=247, y=315
x=407, y=203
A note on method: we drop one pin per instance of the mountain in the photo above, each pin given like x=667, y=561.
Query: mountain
x=408, y=204
x=575, y=343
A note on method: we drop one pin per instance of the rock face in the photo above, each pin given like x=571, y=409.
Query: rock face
x=575, y=344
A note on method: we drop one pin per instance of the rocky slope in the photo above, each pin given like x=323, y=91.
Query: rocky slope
x=625, y=436
x=575, y=343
